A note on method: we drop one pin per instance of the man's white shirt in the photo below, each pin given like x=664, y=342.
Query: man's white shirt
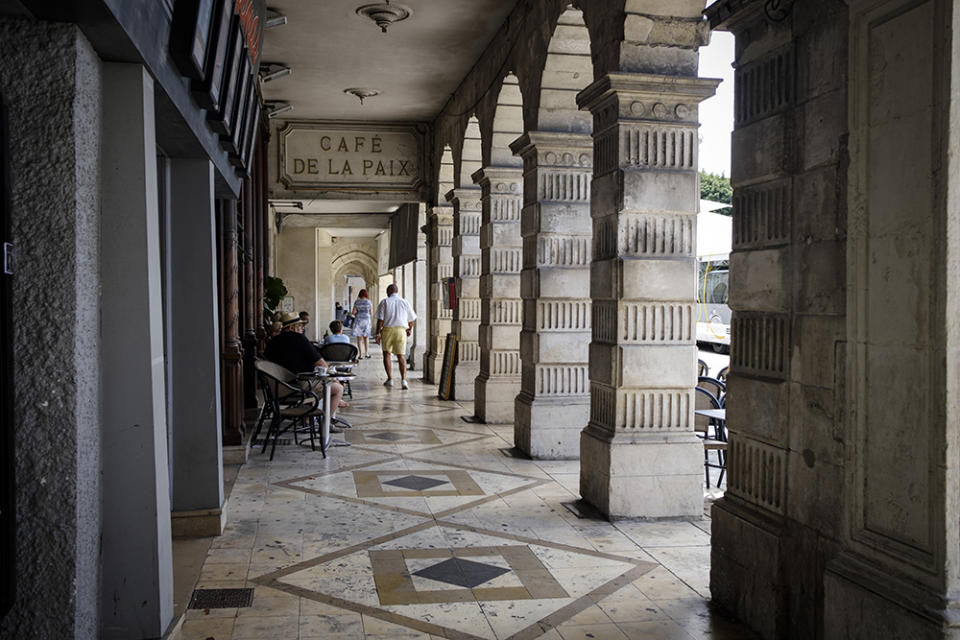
x=395, y=312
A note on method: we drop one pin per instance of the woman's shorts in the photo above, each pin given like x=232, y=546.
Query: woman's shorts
x=361, y=327
x=394, y=340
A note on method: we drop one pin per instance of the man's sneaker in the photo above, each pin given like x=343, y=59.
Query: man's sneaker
x=403, y=384
x=388, y=383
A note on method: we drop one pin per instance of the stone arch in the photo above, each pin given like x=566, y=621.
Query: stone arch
x=471, y=153
x=445, y=179
x=568, y=68
x=507, y=123
x=364, y=262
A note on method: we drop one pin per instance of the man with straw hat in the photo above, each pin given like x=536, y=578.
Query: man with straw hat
x=292, y=351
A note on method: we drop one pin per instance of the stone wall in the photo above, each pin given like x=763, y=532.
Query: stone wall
x=50, y=78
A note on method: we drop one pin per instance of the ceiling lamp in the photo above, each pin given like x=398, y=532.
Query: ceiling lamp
x=270, y=71
x=276, y=108
x=362, y=92
x=274, y=19
x=384, y=13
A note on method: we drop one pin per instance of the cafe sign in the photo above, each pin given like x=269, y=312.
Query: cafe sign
x=351, y=157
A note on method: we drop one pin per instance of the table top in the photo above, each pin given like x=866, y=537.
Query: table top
x=716, y=414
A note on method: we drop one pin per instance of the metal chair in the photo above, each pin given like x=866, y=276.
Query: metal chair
x=702, y=368
x=340, y=353
x=716, y=388
x=289, y=401
x=717, y=442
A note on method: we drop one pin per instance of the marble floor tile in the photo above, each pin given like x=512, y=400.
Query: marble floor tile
x=425, y=529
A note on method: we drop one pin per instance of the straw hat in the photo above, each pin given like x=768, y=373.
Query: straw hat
x=290, y=318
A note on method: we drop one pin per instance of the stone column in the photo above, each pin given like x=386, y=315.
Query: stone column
x=780, y=519
x=440, y=237
x=193, y=353
x=231, y=353
x=554, y=401
x=137, y=563
x=51, y=81
x=501, y=308
x=248, y=206
x=419, y=293
x=466, y=269
x=639, y=454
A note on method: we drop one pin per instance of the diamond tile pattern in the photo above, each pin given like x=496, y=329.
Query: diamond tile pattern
x=390, y=436
x=462, y=573
x=416, y=483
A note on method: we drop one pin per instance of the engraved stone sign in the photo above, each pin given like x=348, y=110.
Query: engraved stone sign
x=350, y=157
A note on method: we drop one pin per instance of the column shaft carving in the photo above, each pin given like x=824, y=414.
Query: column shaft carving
x=231, y=355
x=501, y=308
x=554, y=402
x=640, y=457
x=466, y=269
x=440, y=267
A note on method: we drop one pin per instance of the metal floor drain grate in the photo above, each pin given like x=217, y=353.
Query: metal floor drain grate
x=220, y=598
x=281, y=442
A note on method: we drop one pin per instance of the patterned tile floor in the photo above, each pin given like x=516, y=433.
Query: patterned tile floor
x=424, y=528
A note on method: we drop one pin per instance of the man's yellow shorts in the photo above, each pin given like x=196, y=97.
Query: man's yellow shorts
x=394, y=340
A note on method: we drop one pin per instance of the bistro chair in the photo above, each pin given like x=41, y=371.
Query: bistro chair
x=290, y=401
x=722, y=376
x=702, y=368
x=341, y=353
x=716, y=442
x=716, y=388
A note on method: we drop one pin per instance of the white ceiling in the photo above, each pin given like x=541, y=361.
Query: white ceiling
x=416, y=65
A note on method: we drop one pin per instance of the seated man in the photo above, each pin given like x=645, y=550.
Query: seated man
x=336, y=333
x=292, y=351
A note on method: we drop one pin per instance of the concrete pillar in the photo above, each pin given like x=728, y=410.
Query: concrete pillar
x=466, y=269
x=439, y=268
x=137, y=566
x=419, y=293
x=193, y=353
x=55, y=208
x=554, y=402
x=501, y=308
x=639, y=454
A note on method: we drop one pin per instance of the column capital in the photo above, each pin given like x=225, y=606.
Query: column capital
x=646, y=97
x=500, y=180
x=555, y=142
x=465, y=198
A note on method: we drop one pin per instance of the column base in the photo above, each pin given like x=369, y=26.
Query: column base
x=642, y=476
x=198, y=523
x=432, y=365
x=865, y=600
x=550, y=429
x=464, y=378
x=494, y=399
x=746, y=556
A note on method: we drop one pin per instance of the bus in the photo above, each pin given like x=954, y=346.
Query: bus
x=713, y=277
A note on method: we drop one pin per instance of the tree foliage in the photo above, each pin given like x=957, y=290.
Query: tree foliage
x=715, y=187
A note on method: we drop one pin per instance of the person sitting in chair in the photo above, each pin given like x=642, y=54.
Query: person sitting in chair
x=336, y=333
x=292, y=351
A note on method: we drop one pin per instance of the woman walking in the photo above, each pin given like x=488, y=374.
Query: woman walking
x=361, y=325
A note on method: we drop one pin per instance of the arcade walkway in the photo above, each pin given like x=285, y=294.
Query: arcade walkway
x=425, y=528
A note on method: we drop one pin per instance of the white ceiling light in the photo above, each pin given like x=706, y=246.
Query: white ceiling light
x=384, y=13
x=362, y=92
x=274, y=19
x=276, y=108
x=270, y=71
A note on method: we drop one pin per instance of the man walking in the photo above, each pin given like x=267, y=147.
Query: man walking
x=395, y=320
